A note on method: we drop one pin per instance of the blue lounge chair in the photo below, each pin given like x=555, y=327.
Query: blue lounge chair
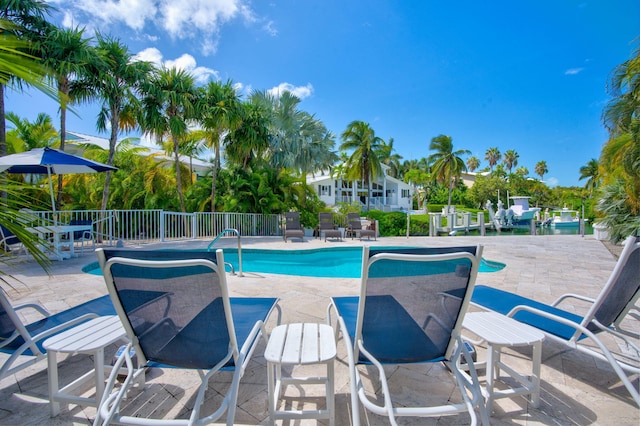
x=618, y=298
x=402, y=316
x=23, y=342
x=199, y=327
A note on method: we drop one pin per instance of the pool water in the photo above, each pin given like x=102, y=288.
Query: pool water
x=337, y=262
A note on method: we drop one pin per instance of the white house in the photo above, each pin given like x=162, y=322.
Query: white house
x=387, y=192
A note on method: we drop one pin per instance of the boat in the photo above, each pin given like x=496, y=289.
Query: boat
x=518, y=215
x=565, y=218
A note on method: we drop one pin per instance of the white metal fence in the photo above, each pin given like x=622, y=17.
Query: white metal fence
x=160, y=225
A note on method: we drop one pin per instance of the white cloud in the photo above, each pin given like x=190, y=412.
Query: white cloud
x=185, y=62
x=200, y=20
x=134, y=13
x=301, y=92
x=552, y=182
x=573, y=71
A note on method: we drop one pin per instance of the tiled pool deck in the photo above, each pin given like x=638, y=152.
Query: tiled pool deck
x=576, y=390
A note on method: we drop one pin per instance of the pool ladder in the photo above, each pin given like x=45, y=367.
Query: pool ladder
x=220, y=235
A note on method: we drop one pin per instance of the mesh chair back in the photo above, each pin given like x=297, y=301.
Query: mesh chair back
x=7, y=237
x=188, y=324
x=354, y=221
x=326, y=221
x=409, y=313
x=7, y=324
x=77, y=235
x=293, y=220
x=623, y=287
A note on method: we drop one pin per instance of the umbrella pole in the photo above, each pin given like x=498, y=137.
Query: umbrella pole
x=53, y=200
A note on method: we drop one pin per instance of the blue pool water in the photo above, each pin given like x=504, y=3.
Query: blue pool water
x=336, y=262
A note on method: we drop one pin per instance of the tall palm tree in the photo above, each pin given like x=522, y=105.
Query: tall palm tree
x=522, y=171
x=221, y=113
x=591, y=172
x=27, y=135
x=446, y=164
x=249, y=142
x=391, y=158
x=492, y=155
x=473, y=163
x=168, y=106
x=510, y=159
x=541, y=169
x=67, y=53
x=114, y=79
x=363, y=163
x=22, y=21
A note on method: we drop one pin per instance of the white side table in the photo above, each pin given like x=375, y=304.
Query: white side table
x=90, y=337
x=300, y=344
x=500, y=331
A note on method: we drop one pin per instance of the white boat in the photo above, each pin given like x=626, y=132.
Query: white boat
x=565, y=218
x=518, y=215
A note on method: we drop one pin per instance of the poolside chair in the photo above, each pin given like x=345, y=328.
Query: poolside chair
x=327, y=227
x=292, y=227
x=23, y=342
x=605, y=314
x=202, y=328
x=355, y=228
x=83, y=236
x=401, y=317
x=8, y=241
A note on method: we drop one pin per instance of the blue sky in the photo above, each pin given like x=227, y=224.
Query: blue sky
x=526, y=75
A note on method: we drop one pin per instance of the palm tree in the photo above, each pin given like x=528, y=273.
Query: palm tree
x=220, y=115
x=27, y=135
x=21, y=21
x=541, y=169
x=522, y=171
x=591, y=172
x=364, y=163
x=391, y=158
x=510, y=159
x=250, y=140
x=67, y=53
x=168, y=106
x=473, y=163
x=492, y=156
x=114, y=79
x=446, y=164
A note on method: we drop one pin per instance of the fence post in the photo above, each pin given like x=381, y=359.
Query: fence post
x=162, y=226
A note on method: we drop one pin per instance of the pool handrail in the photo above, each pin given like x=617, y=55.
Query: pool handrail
x=220, y=235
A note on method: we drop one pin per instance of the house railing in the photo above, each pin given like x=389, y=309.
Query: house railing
x=145, y=226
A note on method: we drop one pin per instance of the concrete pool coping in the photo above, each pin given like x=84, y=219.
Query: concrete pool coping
x=575, y=388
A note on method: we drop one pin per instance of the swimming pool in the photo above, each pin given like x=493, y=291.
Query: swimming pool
x=335, y=262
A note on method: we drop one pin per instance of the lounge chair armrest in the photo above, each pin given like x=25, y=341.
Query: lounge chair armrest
x=572, y=296
x=35, y=306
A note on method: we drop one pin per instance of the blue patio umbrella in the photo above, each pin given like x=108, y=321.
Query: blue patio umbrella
x=50, y=161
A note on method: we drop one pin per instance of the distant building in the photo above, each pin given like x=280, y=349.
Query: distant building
x=469, y=178
x=200, y=168
x=387, y=192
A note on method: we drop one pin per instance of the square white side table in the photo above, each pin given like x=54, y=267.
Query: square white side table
x=300, y=344
x=90, y=337
x=500, y=331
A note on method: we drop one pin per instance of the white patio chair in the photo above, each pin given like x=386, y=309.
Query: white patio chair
x=401, y=317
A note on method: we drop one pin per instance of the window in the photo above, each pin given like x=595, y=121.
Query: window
x=406, y=193
x=324, y=190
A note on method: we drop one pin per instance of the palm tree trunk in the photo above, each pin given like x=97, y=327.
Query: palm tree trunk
x=178, y=178
x=214, y=175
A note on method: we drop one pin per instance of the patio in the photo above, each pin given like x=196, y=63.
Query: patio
x=576, y=390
